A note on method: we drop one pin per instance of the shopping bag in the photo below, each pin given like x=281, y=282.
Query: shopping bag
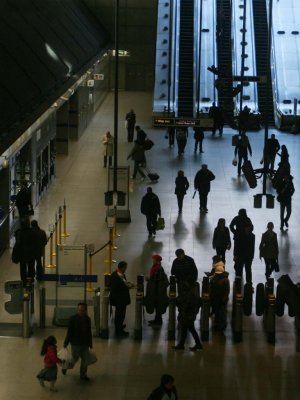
x=234, y=162
x=160, y=224
x=92, y=358
x=66, y=358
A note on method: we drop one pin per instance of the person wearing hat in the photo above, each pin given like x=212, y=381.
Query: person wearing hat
x=202, y=183
x=219, y=293
x=156, y=298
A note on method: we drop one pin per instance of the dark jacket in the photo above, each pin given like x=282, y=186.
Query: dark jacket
x=243, y=146
x=182, y=269
x=188, y=302
x=221, y=238
x=23, y=201
x=219, y=289
x=268, y=247
x=181, y=185
x=198, y=134
x=156, y=293
x=202, y=180
x=285, y=190
x=40, y=239
x=119, y=291
x=244, y=246
x=272, y=147
x=215, y=113
x=27, y=244
x=160, y=393
x=79, y=331
x=141, y=136
x=237, y=225
x=131, y=119
x=150, y=204
x=137, y=153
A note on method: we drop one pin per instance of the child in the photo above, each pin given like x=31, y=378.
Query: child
x=49, y=373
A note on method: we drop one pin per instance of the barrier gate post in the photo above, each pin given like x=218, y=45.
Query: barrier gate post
x=138, y=323
x=269, y=317
x=104, y=332
x=205, y=309
x=237, y=311
x=42, y=307
x=96, y=304
x=26, y=315
x=172, y=308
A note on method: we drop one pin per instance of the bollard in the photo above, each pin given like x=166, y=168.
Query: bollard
x=65, y=234
x=42, y=294
x=269, y=317
x=205, y=310
x=104, y=331
x=89, y=287
x=138, y=322
x=26, y=316
x=55, y=235
x=237, y=311
x=96, y=304
x=51, y=264
x=59, y=226
x=172, y=308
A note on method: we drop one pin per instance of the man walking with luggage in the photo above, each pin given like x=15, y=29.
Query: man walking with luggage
x=241, y=150
x=150, y=207
x=202, y=183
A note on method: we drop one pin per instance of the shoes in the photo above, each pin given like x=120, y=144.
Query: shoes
x=42, y=383
x=286, y=223
x=122, y=334
x=150, y=236
x=85, y=378
x=196, y=347
x=63, y=371
x=178, y=347
x=281, y=227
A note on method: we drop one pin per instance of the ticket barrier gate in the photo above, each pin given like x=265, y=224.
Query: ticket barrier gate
x=139, y=301
x=97, y=314
x=172, y=308
x=104, y=331
x=266, y=307
x=205, y=309
x=21, y=302
x=237, y=311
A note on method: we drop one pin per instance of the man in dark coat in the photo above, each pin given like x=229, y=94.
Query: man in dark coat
x=243, y=252
x=183, y=267
x=150, y=207
x=238, y=223
x=270, y=151
x=216, y=114
x=198, y=136
x=23, y=201
x=79, y=334
x=41, y=241
x=166, y=390
x=140, y=135
x=241, y=150
x=130, y=121
x=285, y=190
x=26, y=241
x=202, y=183
x=120, y=297
x=137, y=154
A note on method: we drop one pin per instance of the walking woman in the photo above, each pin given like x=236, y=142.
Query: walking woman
x=221, y=239
x=268, y=249
x=181, y=186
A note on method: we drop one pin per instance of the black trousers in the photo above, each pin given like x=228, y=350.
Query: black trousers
x=203, y=200
x=200, y=145
x=285, y=206
x=184, y=331
x=180, y=201
x=120, y=313
x=130, y=134
x=221, y=253
x=181, y=143
x=270, y=266
x=241, y=157
x=27, y=270
x=239, y=265
x=39, y=268
x=151, y=221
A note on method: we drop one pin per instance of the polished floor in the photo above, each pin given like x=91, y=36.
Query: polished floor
x=128, y=370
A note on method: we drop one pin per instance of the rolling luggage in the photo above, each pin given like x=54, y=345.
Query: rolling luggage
x=153, y=176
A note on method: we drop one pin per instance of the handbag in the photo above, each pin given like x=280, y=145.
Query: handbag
x=92, y=358
x=160, y=224
x=66, y=358
x=234, y=162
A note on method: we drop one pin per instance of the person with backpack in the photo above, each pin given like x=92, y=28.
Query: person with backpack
x=150, y=207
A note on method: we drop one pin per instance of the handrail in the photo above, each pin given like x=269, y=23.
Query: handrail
x=101, y=248
x=11, y=208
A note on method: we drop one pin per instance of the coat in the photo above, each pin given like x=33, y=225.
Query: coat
x=27, y=244
x=23, y=201
x=237, y=225
x=268, y=247
x=219, y=290
x=119, y=291
x=108, y=143
x=41, y=241
x=156, y=293
x=202, y=181
x=285, y=190
x=244, y=246
x=150, y=204
x=137, y=153
x=182, y=269
x=188, y=302
x=181, y=185
x=221, y=238
x=79, y=331
x=131, y=119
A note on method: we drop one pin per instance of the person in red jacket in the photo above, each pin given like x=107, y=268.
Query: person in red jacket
x=49, y=372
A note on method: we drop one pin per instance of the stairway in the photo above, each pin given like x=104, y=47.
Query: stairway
x=224, y=56
x=185, y=104
x=265, y=94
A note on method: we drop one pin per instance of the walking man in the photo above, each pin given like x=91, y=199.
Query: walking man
x=202, y=183
x=150, y=207
x=285, y=192
x=130, y=124
x=79, y=334
x=272, y=148
x=183, y=267
x=268, y=249
x=137, y=154
x=120, y=297
x=40, y=243
x=198, y=136
x=241, y=150
x=243, y=252
x=216, y=114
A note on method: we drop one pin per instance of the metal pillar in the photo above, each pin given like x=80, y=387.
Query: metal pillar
x=172, y=308
x=96, y=305
x=138, y=322
x=42, y=293
x=237, y=311
x=104, y=331
x=26, y=315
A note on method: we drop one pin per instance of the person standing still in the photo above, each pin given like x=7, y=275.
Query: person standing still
x=108, y=142
x=150, y=207
x=243, y=252
x=268, y=249
x=198, y=136
x=181, y=138
x=79, y=334
x=202, y=183
x=130, y=124
x=285, y=190
x=181, y=186
x=120, y=297
x=40, y=243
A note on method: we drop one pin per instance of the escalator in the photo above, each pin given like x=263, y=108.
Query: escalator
x=265, y=95
x=224, y=51
x=186, y=60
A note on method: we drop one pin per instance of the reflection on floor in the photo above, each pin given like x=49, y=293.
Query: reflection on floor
x=127, y=369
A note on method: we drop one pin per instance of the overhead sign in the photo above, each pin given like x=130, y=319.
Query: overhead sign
x=193, y=122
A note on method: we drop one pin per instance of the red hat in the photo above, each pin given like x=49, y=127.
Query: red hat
x=156, y=257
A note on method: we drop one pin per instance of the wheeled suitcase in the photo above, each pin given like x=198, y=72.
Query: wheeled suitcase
x=153, y=176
